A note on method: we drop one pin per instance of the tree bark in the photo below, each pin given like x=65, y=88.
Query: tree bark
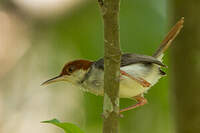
x=186, y=68
x=112, y=58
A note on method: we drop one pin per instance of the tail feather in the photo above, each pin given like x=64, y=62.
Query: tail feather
x=169, y=38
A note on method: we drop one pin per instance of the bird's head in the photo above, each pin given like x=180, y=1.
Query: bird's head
x=72, y=72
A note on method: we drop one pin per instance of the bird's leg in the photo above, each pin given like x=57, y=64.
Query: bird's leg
x=141, y=81
x=141, y=101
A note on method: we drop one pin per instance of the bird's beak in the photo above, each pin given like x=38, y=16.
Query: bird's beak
x=52, y=80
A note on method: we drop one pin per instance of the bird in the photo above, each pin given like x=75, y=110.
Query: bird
x=138, y=73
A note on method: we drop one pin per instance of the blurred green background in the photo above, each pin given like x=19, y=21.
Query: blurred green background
x=43, y=41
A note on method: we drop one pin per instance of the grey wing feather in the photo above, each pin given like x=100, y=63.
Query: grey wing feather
x=128, y=59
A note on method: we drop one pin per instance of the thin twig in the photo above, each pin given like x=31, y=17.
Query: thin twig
x=112, y=58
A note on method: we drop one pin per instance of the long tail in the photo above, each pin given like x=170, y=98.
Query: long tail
x=169, y=38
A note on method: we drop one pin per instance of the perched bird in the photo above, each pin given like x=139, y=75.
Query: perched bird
x=138, y=72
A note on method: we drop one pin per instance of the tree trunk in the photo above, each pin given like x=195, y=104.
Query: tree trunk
x=186, y=68
x=112, y=58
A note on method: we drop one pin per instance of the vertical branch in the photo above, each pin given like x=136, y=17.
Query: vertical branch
x=186, y=68
x=112, y=57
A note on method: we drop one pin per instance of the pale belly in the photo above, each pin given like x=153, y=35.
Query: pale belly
x=130, y=88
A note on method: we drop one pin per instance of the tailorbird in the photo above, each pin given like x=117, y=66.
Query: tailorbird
x=138, y=72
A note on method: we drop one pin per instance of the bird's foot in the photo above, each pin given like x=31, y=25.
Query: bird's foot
x=141, y=101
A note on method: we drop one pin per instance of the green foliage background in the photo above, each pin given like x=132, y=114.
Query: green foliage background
x=79, y=34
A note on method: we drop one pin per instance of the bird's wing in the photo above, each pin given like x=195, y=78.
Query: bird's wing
x=128, y=59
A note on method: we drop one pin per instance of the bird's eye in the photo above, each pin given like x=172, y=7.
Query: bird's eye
x=70, y=70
